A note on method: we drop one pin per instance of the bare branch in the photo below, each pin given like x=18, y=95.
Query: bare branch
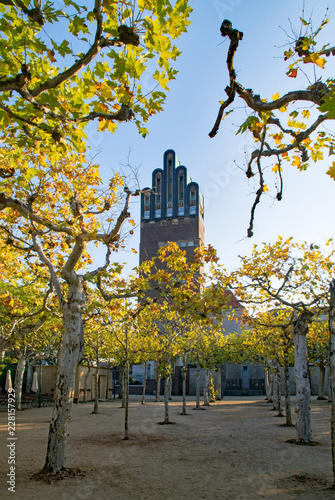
x=235, y=36
x=260, y=189
x=48, y=263
x=114, y=234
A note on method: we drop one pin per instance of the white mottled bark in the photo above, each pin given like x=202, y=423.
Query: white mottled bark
x=158, y=386
x=303, y=398
x=267, y=383
x=21, y=365
x=276, y=388
x=288, y=412
x=68, y=355
x=29, y=380
x=211, y=388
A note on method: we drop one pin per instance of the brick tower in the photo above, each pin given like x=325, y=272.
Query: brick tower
x=171, y=210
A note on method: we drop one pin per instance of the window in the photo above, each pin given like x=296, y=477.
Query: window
x=146, y=206
x=158, y=188
x=181, y=187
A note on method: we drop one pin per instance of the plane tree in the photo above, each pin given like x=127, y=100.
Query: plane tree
x=293, y=276
x=51, y=214
x=270, y=333
x=318, y=342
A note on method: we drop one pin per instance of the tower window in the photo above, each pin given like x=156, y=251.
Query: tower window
x=181, y=187
x=158, y=188
x=146, y=206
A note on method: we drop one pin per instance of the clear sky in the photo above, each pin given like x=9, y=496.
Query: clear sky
x=307, y=209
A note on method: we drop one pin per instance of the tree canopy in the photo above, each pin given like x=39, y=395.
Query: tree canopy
x=66, y=65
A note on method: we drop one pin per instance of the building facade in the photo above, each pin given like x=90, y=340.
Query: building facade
x=172, y=209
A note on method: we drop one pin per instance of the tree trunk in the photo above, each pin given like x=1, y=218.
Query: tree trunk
x=303, y=398
x=108, y=376
x=21, y=365
x=126, y=400
x=267, y=383
x=218, y=384
x=158, y=386
x=166, y=399
x=96, y=382
x=332, y=369
x=184, y=373
x=211, y=388
x=276, y=388
x=144, y=382
x=121, y=380
x=206, y=389
x=288, y=412
x=170, y=386
x=321, y=386
x=70, y=349
x=197, y=387
x=124, y=389
x=270, y=386
x=30, y=366
x=85, y=382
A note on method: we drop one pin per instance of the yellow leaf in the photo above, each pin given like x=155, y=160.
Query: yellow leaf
x=314, y=58
x=265, y=188
x=331, y=171
x=278, y=138
x=133, y=250
x=112, y=126
x=296, y=162
x=102, y=125
x=275, y=96
x=275, y=169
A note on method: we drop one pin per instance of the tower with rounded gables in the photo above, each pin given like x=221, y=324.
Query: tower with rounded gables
x=172, y=209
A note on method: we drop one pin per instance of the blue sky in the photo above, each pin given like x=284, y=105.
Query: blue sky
x=308, y=206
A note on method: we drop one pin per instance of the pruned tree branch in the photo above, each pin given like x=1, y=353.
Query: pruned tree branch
x=315, y=94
